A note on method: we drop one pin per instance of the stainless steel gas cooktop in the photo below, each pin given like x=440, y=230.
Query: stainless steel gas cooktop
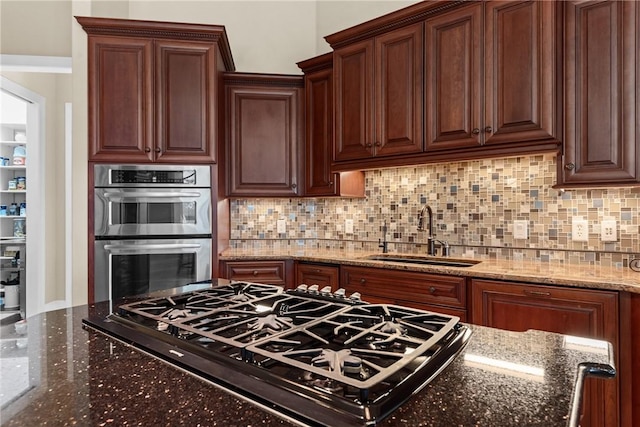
x=313, y=356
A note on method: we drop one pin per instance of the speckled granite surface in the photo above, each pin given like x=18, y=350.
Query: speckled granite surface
x=612, y=278
x=80, y=377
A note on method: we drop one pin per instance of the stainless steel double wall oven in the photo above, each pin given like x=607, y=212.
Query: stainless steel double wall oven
x=152, y=228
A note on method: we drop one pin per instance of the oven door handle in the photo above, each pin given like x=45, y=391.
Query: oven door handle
x=138, y=195
x=119, y=249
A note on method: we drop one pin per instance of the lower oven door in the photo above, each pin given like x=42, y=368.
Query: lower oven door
x=135, y=267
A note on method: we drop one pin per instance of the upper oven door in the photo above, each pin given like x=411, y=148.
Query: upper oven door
x=152, y=212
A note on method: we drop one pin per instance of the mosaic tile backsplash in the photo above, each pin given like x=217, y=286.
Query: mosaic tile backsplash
x=474, y=206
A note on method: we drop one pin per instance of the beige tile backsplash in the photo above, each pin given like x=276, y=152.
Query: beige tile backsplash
x=474, y=205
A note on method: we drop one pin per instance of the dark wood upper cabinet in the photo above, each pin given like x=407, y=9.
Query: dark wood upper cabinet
x=601, y=75
x=153, y=90
x=378, y=95
x=512, y=45
x=320, y=180
x=264, y=130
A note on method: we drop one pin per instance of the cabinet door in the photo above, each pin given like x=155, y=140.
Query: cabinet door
x=314, y=274
x=602, y=117
x=453, y=77
x=185, y=101
x=520, y=72
x=354, y=110
x=398, y=95
x=585, y=313
x=120, y=99
x=319, y=129
x=263, y=140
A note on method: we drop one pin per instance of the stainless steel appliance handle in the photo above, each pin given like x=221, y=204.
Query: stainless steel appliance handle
x=146, y=247
x=150, y=194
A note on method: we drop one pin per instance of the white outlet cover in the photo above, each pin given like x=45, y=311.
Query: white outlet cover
x=579, y=230
x=348, y=226
x=609, y=230
x=520, y=229
x=281, y=226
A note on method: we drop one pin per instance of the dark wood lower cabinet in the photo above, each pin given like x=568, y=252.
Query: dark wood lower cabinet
x=275, y=272
x=318, y=274
x=433, y=292
x=581, y=312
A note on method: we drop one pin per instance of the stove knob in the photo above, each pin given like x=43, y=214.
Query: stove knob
x=302, y=287
x=340, y=293
x=355, y=296
x=313, y=288
x=326, y=291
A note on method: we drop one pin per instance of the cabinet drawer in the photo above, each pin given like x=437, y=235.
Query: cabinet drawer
x=315, y=274
x=269, y=272
x=405, y=287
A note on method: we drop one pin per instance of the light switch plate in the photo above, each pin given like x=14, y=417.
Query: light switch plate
x=608, y=230
x=520, y=229
x=579, y=230
x=281, y=226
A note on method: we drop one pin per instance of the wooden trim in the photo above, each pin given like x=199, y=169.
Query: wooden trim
x=407, y=16
x=261, y=79
x=159, y=29
x=321, y=62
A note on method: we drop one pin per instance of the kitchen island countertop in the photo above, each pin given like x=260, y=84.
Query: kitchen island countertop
x=582, y=275
x=80, y=377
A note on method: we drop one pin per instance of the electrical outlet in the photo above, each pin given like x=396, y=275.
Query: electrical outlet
x=520, y=229
x=281, y=226
x=609, y=230
x=579, y=230
x=348, y=226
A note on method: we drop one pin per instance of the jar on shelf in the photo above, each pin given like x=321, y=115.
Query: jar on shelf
x=20, y=155
x=19, y=227
x=23, y=209
x=21, y=183
x=3, y=210
x=13, y=209
x=12, y=185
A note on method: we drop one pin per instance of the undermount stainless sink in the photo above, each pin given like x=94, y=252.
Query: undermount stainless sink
x=409, y=259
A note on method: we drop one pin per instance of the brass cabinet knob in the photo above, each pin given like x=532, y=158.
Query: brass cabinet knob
x=570, y=166
x=255, y=272
x=488, y=129
x=157, y=150
x=475, y=131
x=363, y=280
x=378, y=144
x=368, y=145
x=147, y=150
x=432, y=290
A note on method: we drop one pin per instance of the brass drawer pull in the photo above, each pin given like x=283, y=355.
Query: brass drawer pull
x=432, y=290
x=537, y=293
x=363, y=281
x=255, y=272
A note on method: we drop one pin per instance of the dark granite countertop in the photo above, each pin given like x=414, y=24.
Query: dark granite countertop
x=62, y=374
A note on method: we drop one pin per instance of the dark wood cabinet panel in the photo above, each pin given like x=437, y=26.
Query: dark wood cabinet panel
x=419, y=290
x=317, y=274
x=520, y=72
x=185, y=101
x=512, y=45
x=320, y=180
x=354, y=109
x=268, y=272
x=580, y=312
x=378, y=95
x=153, y=90
x=120, y=99
x=264, y=131
x=602, y=117
x=453, y=76
x=398, y=95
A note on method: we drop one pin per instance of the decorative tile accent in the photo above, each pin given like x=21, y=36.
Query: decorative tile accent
x=474, y=205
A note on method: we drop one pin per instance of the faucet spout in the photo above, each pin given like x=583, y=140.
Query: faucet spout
x=431, y=241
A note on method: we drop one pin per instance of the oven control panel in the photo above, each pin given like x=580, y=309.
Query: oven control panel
x=186, y=177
